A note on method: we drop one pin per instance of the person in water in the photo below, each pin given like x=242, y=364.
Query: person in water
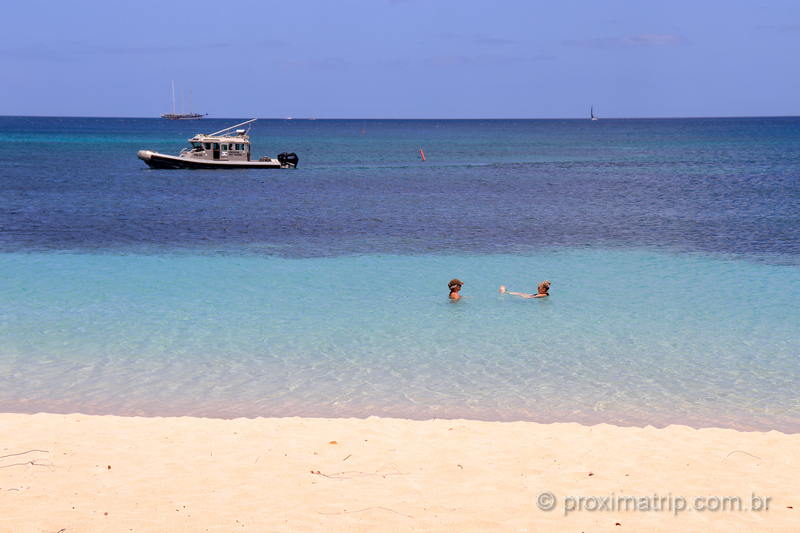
x=455, y=287
x=542, y=290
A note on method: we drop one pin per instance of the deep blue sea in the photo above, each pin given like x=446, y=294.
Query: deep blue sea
x=673, y=247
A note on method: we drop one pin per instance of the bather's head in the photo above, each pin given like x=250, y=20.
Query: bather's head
x=544, y=287
x=455, y=285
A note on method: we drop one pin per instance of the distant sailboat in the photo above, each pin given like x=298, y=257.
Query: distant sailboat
x=181, y=116
x=591, y=113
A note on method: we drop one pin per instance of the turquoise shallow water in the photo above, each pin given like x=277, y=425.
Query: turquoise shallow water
x=628, y=336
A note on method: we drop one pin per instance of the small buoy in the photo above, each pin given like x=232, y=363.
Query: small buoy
x=422, y=154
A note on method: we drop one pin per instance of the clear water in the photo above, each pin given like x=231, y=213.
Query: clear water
x=672, y=246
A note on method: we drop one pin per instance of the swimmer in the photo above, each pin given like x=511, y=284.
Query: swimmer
x=542, y=290
x=455, y=286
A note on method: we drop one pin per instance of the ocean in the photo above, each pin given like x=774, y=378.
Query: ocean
x=673, y=247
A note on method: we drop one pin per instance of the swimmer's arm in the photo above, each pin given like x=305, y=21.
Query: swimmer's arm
x=521, y=294
x=503, y=290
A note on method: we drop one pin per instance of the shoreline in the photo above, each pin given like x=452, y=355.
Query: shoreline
x=786, y=425
x=76, y=472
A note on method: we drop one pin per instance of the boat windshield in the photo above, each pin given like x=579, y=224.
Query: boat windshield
x=197, y=145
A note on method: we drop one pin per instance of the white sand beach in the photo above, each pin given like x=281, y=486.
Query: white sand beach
x=80, y=473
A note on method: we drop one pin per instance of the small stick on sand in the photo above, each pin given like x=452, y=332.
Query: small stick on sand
x=32, y=463
x=22, y=453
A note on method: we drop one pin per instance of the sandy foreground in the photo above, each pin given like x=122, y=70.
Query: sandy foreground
x=79, y=473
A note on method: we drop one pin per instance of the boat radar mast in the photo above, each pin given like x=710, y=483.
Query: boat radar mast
x=232, y=127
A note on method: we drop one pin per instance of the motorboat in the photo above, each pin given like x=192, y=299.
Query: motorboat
x=222, y=149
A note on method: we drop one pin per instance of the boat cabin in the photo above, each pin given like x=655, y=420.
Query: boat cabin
x=219, y=147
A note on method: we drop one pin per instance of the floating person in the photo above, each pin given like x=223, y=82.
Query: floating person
x=455, y=287
x=542, y=290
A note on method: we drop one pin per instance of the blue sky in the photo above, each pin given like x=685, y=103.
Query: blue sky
x=402, y=58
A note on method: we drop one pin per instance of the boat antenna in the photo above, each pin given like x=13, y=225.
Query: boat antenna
x=234, y=126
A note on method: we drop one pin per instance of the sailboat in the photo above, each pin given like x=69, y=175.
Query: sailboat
x=591, y=113
x=181, y=116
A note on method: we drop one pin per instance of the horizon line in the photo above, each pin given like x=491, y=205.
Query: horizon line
x=416, y=118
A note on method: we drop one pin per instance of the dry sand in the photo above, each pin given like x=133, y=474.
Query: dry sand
x=79, y=473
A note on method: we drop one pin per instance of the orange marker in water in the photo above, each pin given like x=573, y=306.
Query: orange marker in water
x=422, y=154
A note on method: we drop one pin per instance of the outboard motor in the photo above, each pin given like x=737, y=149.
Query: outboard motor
x=288, y=159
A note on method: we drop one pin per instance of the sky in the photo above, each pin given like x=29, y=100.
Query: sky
x=401, y=58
